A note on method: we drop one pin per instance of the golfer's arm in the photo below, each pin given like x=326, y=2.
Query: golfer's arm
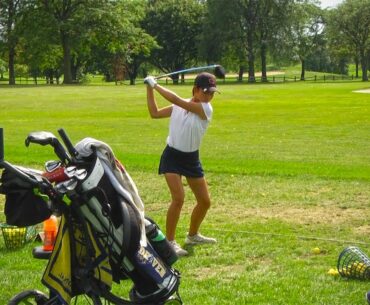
x=154, y=111
x=175, y=99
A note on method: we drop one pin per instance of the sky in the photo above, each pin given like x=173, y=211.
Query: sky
x=330, y=3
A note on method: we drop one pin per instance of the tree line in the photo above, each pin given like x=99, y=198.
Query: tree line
x=122, y=39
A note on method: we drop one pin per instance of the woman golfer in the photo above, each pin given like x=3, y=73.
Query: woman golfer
x=189, y=119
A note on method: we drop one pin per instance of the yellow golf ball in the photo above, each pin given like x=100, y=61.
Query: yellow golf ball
x=333, y=272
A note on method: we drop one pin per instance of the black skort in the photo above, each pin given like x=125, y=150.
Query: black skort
x=183, y=163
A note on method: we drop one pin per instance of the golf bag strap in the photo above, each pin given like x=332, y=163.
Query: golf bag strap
x=126, y=229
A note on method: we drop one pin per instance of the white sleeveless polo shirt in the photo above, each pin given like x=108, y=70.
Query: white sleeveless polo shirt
x=187, y=128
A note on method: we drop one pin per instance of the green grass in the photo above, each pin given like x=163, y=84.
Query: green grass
x=288, y=167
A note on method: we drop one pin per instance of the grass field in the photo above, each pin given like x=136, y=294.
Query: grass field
x=288, y=167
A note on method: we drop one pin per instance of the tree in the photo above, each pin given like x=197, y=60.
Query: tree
x=250, y=23
x=228, y=34
x=338, y=49
x=75, y=21
x=64, y=15
x=351, y=22
x=176, y=26
x=306, y=27
x=238, y=31
x=39, y=47
x=138, y=43
x=214, y=31
x=119, y=45
x=273, y=18
x=139, y=51
x=3, y=68
x=10, y=16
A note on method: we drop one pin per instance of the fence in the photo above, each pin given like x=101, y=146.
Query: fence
x=229, y=79
x=313, y=78
x=29, y=81
x=275, y=79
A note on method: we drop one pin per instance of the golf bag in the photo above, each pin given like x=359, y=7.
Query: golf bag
x=111, y=211
x=94, y=185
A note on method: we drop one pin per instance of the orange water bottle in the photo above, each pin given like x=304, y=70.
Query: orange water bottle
x=50, y=233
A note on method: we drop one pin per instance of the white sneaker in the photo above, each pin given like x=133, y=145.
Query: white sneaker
x=199, y=239
x=179, y=251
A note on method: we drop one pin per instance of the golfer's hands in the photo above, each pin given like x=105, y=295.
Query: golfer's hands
x=150, y=80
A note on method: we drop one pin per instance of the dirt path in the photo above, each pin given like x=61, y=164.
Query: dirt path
x=362, y=91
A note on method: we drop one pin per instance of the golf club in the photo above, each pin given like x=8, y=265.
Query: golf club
x=219, y=71
x=47, y=138
x=51, y=166
x=65, y=186
x=73, y=152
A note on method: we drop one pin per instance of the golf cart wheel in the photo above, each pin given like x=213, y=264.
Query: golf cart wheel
x=29, y=297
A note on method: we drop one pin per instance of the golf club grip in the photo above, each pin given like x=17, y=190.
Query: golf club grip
x=73, y=152
x=1, y=145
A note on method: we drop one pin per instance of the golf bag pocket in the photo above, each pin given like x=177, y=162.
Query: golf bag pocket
x=23, y=207
x=159, y=242
x=149, y=261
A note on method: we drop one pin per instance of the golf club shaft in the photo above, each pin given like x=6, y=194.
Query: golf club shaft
x=67, y=142
x=187, y=71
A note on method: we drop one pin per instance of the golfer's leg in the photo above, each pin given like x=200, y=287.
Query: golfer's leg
x=200, y=190
x=177, y=200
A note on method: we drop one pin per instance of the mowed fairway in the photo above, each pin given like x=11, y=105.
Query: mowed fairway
x=288, y=167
